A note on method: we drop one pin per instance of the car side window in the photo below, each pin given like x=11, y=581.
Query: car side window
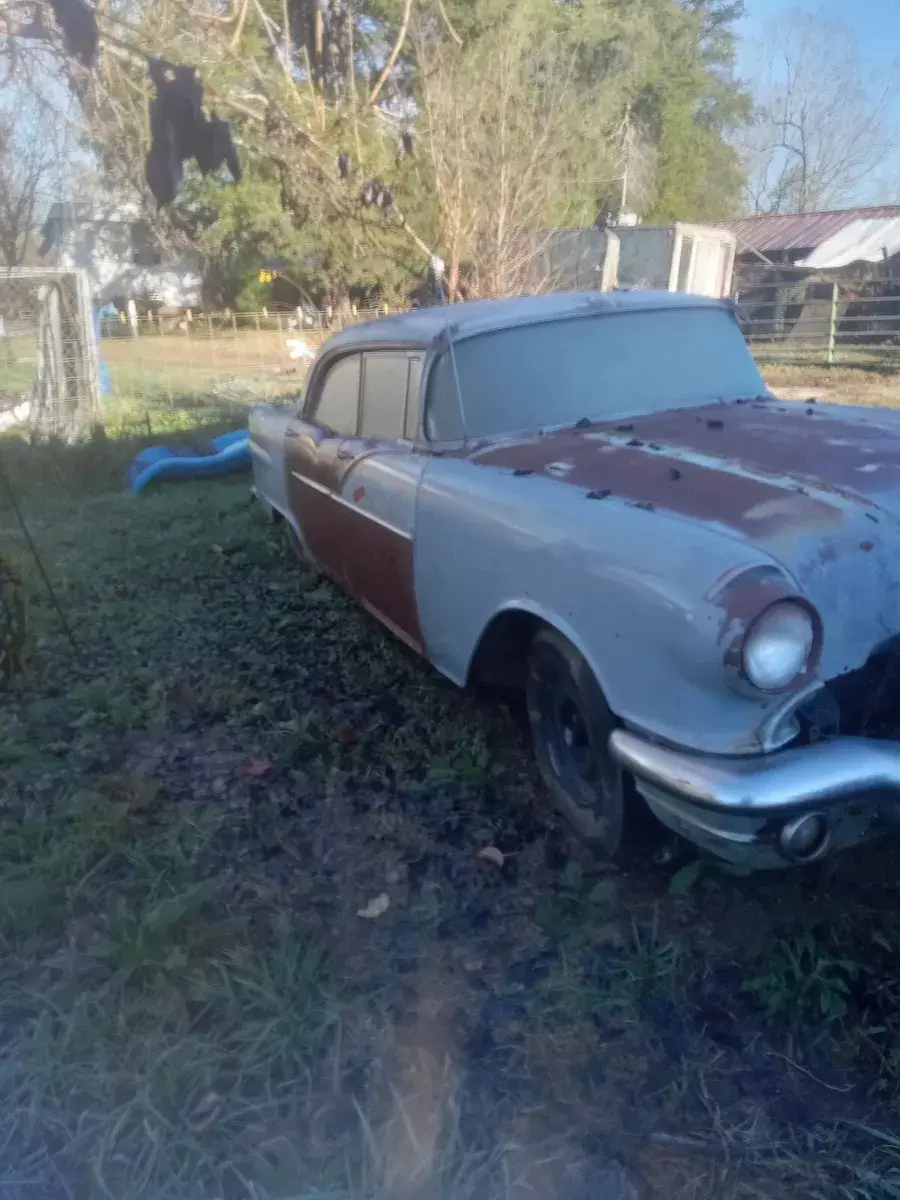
x=412, y=396
x=338, y=404
x=443, y=420
x=384, y=395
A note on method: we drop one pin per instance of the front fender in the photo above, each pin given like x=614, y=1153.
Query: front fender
x=635, y=592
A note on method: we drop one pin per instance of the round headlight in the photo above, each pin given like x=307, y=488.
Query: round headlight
x=778, y=646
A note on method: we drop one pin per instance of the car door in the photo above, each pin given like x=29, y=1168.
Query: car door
x=315, y=460
x=378, y=492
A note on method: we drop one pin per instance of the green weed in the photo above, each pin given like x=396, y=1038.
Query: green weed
x=578, y=906
x=802, y=981
x=611, y=982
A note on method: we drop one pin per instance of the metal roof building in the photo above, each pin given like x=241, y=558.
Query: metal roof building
x=792, y=237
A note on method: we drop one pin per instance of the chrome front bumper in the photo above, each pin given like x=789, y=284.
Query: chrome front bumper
x=738, y=807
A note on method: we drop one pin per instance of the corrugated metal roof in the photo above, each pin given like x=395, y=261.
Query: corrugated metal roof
x=774, y=232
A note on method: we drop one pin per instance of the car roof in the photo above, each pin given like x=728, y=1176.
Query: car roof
x=423, y=326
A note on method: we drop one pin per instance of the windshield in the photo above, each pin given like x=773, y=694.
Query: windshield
x=602, y=367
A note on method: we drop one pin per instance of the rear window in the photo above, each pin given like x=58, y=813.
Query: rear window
x=338, y=404
x=384, y=396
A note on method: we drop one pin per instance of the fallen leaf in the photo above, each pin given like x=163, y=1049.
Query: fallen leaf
x=254, y=769
x=376, y=907
x=210, y=1101
x=206, y=1112
x=492, y=854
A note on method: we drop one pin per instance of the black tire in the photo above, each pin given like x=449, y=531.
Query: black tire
x=570, y=727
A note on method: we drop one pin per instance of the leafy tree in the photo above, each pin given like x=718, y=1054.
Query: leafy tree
x=426, y=105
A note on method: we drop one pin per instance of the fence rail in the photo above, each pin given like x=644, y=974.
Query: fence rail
x=815, y=322
x=196, y=360
x=185, y=359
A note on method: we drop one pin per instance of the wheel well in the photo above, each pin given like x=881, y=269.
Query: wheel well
x=500, y=657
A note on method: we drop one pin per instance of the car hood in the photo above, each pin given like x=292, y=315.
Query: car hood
x=763, y=470
x=815, y=487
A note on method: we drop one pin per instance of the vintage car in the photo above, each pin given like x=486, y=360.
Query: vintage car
x=594, y=497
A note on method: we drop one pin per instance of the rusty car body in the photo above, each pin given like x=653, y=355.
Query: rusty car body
x=595, y=495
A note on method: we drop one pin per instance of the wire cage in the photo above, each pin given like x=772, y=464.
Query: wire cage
x=49, y=373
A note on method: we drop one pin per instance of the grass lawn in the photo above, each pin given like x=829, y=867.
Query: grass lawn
x=179, y=367
x=207, y=797
x=840, y=385
x=226, y=362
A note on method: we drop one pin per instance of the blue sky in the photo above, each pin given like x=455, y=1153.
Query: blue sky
x=876, y=23
x=876, y=26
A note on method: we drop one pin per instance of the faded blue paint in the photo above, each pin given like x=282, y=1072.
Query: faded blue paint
x=627, y=586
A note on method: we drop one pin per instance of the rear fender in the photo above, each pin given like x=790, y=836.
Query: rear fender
x=267, y=424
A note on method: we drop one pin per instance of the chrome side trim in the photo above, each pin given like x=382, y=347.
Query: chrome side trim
x=780, y=726
x=401, y=533
x=312, y=483
x=338, y=499
x=827, y=772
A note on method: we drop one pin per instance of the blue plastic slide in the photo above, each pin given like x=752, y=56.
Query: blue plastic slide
x=230, y=452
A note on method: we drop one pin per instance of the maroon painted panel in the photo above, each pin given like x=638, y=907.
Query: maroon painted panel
x=832, y=450
x=374, y=563
x=379, y=564
x=313, y=475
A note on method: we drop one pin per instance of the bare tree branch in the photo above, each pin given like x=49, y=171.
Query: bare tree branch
x=821, y=129
x=393, y=56
x=442, y=10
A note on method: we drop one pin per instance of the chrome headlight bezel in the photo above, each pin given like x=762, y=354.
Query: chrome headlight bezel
x=780, y=646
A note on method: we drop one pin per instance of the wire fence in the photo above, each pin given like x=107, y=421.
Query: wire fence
x=190, y=357
x=816, y=322
x=199, y=363
x=196, y=363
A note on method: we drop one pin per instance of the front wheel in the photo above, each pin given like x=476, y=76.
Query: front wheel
x=570, y=727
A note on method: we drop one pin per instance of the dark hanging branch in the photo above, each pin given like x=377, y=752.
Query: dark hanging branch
x=180, y=131
x=78, y=23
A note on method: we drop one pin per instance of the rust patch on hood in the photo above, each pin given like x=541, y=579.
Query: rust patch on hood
x=761, y=469
x=853, y=452
x=604, y=465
